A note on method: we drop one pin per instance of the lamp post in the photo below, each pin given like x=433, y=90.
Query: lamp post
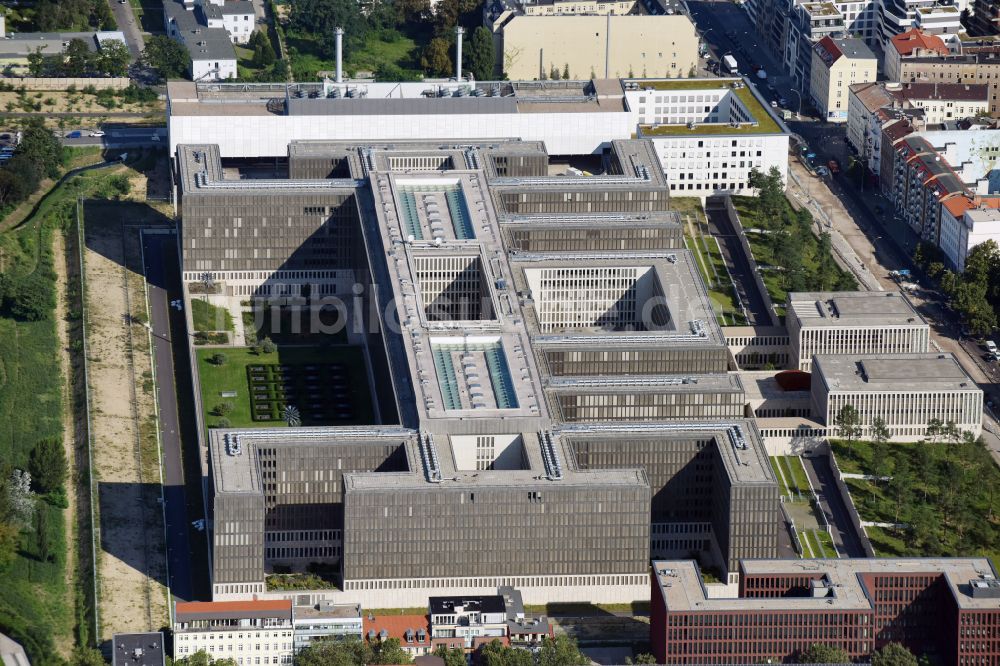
x=798, y=107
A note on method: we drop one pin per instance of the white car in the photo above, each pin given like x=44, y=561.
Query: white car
x=97, y=133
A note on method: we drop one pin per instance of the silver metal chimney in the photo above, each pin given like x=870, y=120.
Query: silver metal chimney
x=339, y=32
x=459, y=31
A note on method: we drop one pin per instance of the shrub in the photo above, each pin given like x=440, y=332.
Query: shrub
x=217, y=358
x=267, y=344
x=223, y=408
x=47, y=465
x=31, y=298
x=223, y=423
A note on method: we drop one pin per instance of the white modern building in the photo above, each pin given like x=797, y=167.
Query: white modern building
x=208, y=29
x=326, y=621
x=708, y=133
x=248, y=632
x=235, y=16
x=471, y=619
x=965, y=223
x=906, y=391
x=852, y=322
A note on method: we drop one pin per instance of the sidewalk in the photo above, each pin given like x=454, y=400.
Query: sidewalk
x=850, y=244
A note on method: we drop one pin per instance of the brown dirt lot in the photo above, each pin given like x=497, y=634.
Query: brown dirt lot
x=132, y=564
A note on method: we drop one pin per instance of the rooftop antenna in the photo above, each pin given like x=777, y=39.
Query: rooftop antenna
x=459, y=31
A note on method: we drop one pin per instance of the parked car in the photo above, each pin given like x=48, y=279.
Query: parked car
x=834, y=166
x=75, y=134
x=97, y=133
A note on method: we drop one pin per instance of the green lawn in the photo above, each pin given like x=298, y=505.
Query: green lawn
x=825, y=542
x=945, y=493
x=208, y=317
x=232, y=376
x=36, y=608
x=389, y=51
x=708, y=256
x=799, y=478
x=791, y=471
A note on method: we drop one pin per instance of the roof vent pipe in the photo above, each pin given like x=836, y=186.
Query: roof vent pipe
x=339, y=32
x=459, y=31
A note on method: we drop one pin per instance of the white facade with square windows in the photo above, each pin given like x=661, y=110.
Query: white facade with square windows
x=708, y=139
x=251, y=633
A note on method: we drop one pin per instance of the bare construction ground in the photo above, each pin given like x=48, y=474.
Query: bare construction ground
x=132, y=562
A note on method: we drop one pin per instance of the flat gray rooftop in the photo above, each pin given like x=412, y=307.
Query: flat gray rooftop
x=893, y=372
x=682, y=588
x=739, y=444
x=860, y=308
x=233, y=453
x=668, y=279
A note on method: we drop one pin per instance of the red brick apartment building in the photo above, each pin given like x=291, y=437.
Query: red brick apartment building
x=949, y=607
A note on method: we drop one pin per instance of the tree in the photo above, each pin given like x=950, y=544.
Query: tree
x=451, y=656
x=901, y=485
x=481, y=54
x=389, y=651
x=87, y=657
x=560, y=651
x=642, y=658
x=436, y=59
x=79, y=59
x=893, y=654
x=329, y=653
x=848, y=424
x=113, y=58
x=322, y=17
x=166, y=56
x=770, y=192
x=43, y=546
x=880, y=435
x=495, y=653
x=268, y=346
x=819, y=653
x=263, y=51
x=565, y=72
x=218, y=358
x=934, y=427
x=47, y=465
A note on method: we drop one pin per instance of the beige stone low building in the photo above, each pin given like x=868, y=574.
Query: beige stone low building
x=591, y=39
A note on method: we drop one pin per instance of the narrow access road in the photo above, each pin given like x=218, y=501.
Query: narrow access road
x=738, y=265
x=157, y=251
x=845, y=537
x=129, y=25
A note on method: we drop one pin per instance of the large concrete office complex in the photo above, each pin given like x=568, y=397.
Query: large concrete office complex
x=852, y=322
x=707, y=133
x=907, y=391
x=550, y=377
x=947, y=607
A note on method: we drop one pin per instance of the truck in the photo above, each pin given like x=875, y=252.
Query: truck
x=729, y=64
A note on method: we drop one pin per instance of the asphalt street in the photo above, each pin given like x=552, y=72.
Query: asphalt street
x=832, y=504
x=158, y=252
x=128, y=24
x=721, y=228
x=727, y=30
x=120, y=137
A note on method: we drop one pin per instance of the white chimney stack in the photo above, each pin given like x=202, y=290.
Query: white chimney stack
x=339, y=32
x=459, y=31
